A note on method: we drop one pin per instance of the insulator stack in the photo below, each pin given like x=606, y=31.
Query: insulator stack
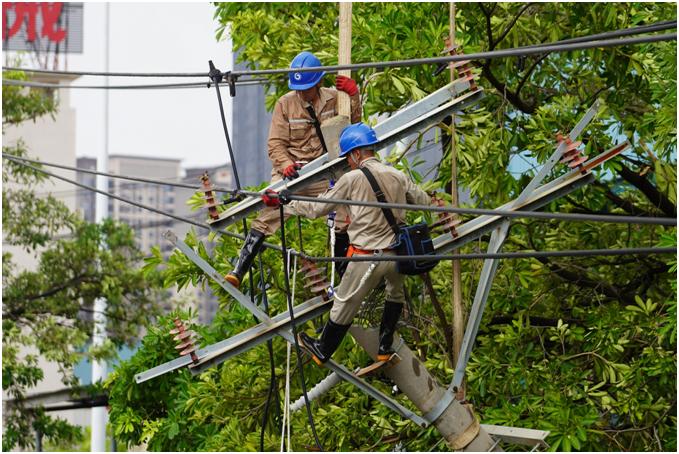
x=571, y=155
x=185, y=339
x=316, y=280
x=210, y=200
x=463, y=67
x=446, y=222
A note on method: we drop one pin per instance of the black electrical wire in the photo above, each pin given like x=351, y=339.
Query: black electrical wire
x=516, y=52
x=195, y=187
x=25, y=83
x=272, y=365
x=505, y=255
x=483, y=211
x=580, y=43
x=402, y=206
x=498, y=255
x=293, y=328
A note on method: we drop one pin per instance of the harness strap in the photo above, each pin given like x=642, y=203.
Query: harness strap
x=317, y=125
x=380, y=198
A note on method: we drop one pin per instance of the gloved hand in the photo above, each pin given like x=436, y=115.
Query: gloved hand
x=275, y=199
x=271, y=199
x=290, y=172
x=347, y=85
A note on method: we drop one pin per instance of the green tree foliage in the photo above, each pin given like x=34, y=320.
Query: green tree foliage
x=584, y=348
x=48, y=310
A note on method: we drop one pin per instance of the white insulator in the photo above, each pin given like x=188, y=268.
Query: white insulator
x=317, y=391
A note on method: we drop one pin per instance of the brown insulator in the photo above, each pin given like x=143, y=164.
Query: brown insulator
x=210, y=200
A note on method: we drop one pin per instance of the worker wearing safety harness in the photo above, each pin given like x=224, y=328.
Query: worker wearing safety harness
x=370, y=234
x=295, y=139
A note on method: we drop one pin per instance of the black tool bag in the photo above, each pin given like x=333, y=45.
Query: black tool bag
x=410, y=239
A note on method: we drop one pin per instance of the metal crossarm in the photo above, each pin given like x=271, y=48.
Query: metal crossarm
x=540, y=197
x=419, y=115
x=468, y=231
x=210, y=271
x=280, y=325
x=240, y=342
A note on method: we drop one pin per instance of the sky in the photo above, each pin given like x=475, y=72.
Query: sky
x=151, y=37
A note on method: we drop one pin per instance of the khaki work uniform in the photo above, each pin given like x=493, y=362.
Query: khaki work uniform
x=369, y=230
x=292, y=138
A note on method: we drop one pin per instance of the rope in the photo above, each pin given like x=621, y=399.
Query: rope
x=360, y=284
x=293, y=327
x=580, y=43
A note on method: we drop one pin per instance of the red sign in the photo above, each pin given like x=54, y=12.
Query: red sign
x=28, y=13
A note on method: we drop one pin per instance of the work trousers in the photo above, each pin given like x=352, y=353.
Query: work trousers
x=269, y=220
x=354, y=288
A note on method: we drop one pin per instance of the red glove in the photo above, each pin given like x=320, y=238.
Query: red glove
x=270, y=198
x=347, y=85
x=290, y=172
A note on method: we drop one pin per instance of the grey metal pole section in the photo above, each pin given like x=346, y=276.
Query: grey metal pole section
x=456, y=423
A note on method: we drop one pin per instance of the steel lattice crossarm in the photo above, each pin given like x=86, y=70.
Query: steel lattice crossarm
x=533, y=197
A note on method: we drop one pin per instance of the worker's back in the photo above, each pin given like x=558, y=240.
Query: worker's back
x=369, y=228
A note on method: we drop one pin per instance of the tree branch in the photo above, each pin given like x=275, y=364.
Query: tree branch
x=530, y=70
x=622, y=203
x=657, y=198
x=510, y=25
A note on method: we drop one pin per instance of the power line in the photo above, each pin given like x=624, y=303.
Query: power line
x=399, y=206
x=498, y=255
x=580, y=43
x=195, y=187
x=23, y=83
x=364, y=258
x=503, y=213
x=514, y=52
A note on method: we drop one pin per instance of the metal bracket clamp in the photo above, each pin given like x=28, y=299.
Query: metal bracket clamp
x=437, y=410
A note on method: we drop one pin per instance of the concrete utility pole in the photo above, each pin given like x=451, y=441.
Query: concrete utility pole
x=99, y=415
x=332, y=127
x=344, y=55
x=458, y=308
x=457, y=424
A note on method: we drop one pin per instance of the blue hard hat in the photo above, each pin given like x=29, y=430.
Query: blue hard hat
x=356, y=136
x=304, y=80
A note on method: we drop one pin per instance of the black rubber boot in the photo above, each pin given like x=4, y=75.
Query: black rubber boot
x=390, y=316
x=253, y=243
x=340, y=250
x=322, y=349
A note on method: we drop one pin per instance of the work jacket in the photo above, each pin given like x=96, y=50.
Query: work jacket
x=292, y=136
x=369, y=228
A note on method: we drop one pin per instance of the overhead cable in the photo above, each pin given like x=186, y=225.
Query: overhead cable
x=357, y=259
x=503, y=213
x=25, y=83
x=579, y=43
x=195, y=187
x=498, y=255
x=398, y=206
x=502, y=53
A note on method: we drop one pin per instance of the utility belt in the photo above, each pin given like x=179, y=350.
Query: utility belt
x=410, y=239
x=353, y=250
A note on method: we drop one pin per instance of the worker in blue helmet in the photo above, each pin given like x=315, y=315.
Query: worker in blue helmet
x=370, y=234
x=294, y=141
